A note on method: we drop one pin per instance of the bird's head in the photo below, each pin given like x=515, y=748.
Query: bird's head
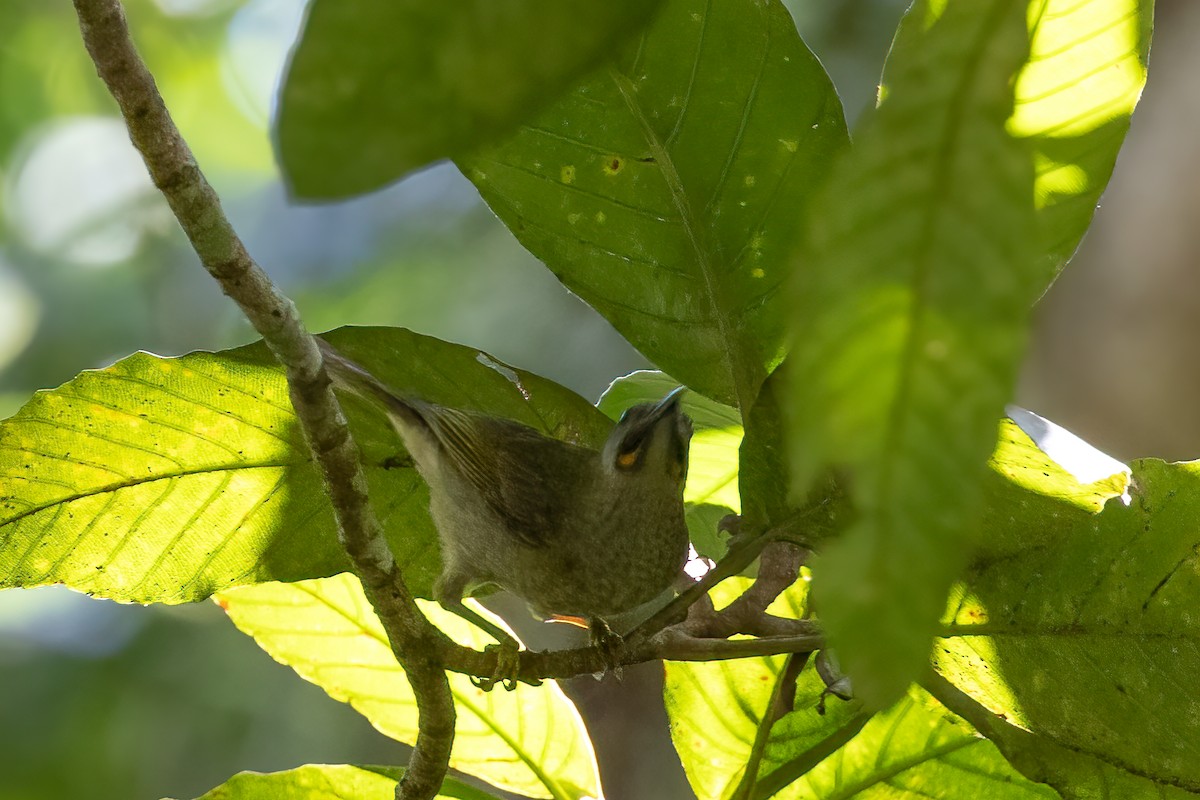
x=651, y=439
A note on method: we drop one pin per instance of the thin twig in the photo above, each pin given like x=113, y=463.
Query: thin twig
x=736, y=560
x=274, y=316
x=778, y=569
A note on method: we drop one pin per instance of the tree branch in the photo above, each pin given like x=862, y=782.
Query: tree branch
x=665, y=635
x=274, y=316
x=422, y=650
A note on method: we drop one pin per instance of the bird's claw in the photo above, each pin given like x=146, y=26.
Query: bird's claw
x=610, y=643
x=837, y=683
x=508, y=668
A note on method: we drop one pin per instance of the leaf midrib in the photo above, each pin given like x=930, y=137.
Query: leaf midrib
x=951, y=134
x=134, y=482
x=692, y=231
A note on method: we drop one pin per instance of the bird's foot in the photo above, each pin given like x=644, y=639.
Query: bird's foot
x=611, y=644
x=508, y=667
x=837, y=683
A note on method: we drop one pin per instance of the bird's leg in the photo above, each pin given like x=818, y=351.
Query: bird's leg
x=448, y=591
x=837, y=683
x=610, y=643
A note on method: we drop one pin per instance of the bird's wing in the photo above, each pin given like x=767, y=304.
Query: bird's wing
x=512, y=466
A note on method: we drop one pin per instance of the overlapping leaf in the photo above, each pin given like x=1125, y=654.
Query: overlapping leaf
x=913, y=751
x=530, y=740
x=1074, y=100
x=912, y=316
x=664, y=189
x=380, y=87
x=329, y=782
x=898, y=379
x=730, y=748
x=167, y=479
x=1087, y=635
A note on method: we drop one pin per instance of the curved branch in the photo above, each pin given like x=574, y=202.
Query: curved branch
x=423, y=651
x=274, y=316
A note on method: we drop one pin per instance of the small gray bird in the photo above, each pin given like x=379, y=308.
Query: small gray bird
x=575, y=532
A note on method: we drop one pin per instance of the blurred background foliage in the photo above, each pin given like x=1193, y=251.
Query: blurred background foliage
x=101, y=700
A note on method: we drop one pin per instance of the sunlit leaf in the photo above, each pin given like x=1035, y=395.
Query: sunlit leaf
x=1074, y=100
x=380, y=87
x=717, y=710
x=1029, y=497
x=916, y=750
x=912, y=316
x=530, y=740
x=730, y=749
x=329, y=782
x=167, y=479
x=1082, y=629
x=664, y=189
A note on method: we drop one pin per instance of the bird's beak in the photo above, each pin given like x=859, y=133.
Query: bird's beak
x=667, y=405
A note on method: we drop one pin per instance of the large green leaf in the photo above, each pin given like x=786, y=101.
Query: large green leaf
x=377, y=88
x=717, y=709
x=664, y=189
x=911, y=321
x=766, y=476
x=1074, y=99
x=914, y=751
x=329, y=782
x=530, y=740
x=167, y=479
x=730, y=748
x=1087, y=636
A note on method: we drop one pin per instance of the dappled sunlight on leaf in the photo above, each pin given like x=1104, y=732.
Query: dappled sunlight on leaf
x=911, y=318
x=1074, y=100
x=1086, y=635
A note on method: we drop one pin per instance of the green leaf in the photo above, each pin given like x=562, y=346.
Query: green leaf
x=717, y=722
x=377, y=88
x=712, y=482
x=167, y=479
x=664, y=189
x=1087, y=635
x=1074, y=100
x=1025, y=489
x=530, y=741
x=914, y=751
x=716, y=709
x=329, y=782
x=729, y=748
x=765, y=473
x=911, y=323
x=1075, y=774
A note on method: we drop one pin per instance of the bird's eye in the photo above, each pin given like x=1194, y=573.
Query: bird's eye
x=629, y=459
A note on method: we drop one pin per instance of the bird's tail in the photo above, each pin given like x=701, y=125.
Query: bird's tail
x=350, y=376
